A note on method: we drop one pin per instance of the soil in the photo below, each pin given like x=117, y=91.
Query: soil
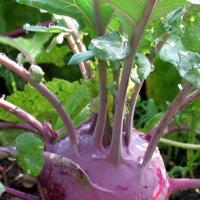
x=186, y=195
x=12, y=175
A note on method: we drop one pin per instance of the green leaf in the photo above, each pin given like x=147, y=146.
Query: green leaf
x=191, y=39
x=162, y=83
x=8, y=136
x=20, y=59
x=36, y=73
x=189, y=67
x=144, y=67
x=2, y=189
x=55, y=56
x=81, y=10
x=30, y=153
x=18, y=16
x=150, y=109
x=111, y=46
x=173, y=21
x=152, y=122
x=166, y=6
x=80, y=57
x=69, y=94
x=30, y=48
x=195, y=2
x=82, y=116
x=134, y=76
x=77, y=106
x=169, y=51
x=130, y=11
x=49, y=29
x=112, y=88
x=181, y=171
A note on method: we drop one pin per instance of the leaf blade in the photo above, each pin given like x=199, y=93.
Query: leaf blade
x=80, y=57
x=2, y=189
x=111, y=46
x=30, y=153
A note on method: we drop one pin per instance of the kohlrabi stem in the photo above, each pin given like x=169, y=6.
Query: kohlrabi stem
x=17, y=125
x=75, y=50
x=98, y=17
x=132, y=105
x=177, y=184
x=20, y=32
x=23, y=73
x=21, y=195
x=7, y=151
x=190, y=98
x=159, y=129
x=115, y=154
x=170, y=129
x=79, y=46
x=60, y=110
x=32, y=121
x=180, y=144
x=101, y=120
x=174, y=128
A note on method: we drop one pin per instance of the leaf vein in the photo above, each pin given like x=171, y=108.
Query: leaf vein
x=133, y=21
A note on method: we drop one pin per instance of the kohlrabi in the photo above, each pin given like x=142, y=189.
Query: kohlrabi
x=104, y=158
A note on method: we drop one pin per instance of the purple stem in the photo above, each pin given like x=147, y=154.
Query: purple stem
x=21, y=31
x=77, y=46
x=115, y=154
x=173, y=128
x=75, y=49
x=100, y=29
x=190, y=98
x=101, y=120
x=17, y=125
x=132, y=106
x=20, y=194
x=16, y=33
x=7, y=151
x=158, y=131
x=33, y=122
x=183, y=184
x=44, y=129
x=23, y=73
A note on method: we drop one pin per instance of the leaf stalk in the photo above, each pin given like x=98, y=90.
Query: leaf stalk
x=24, y=74
x=115, y=154
x=33, y=122
x=101, y=120
x=132, y=105
x=159, y=130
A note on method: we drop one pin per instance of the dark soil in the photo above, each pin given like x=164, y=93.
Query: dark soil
x=11, y=175
x=186, y=195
